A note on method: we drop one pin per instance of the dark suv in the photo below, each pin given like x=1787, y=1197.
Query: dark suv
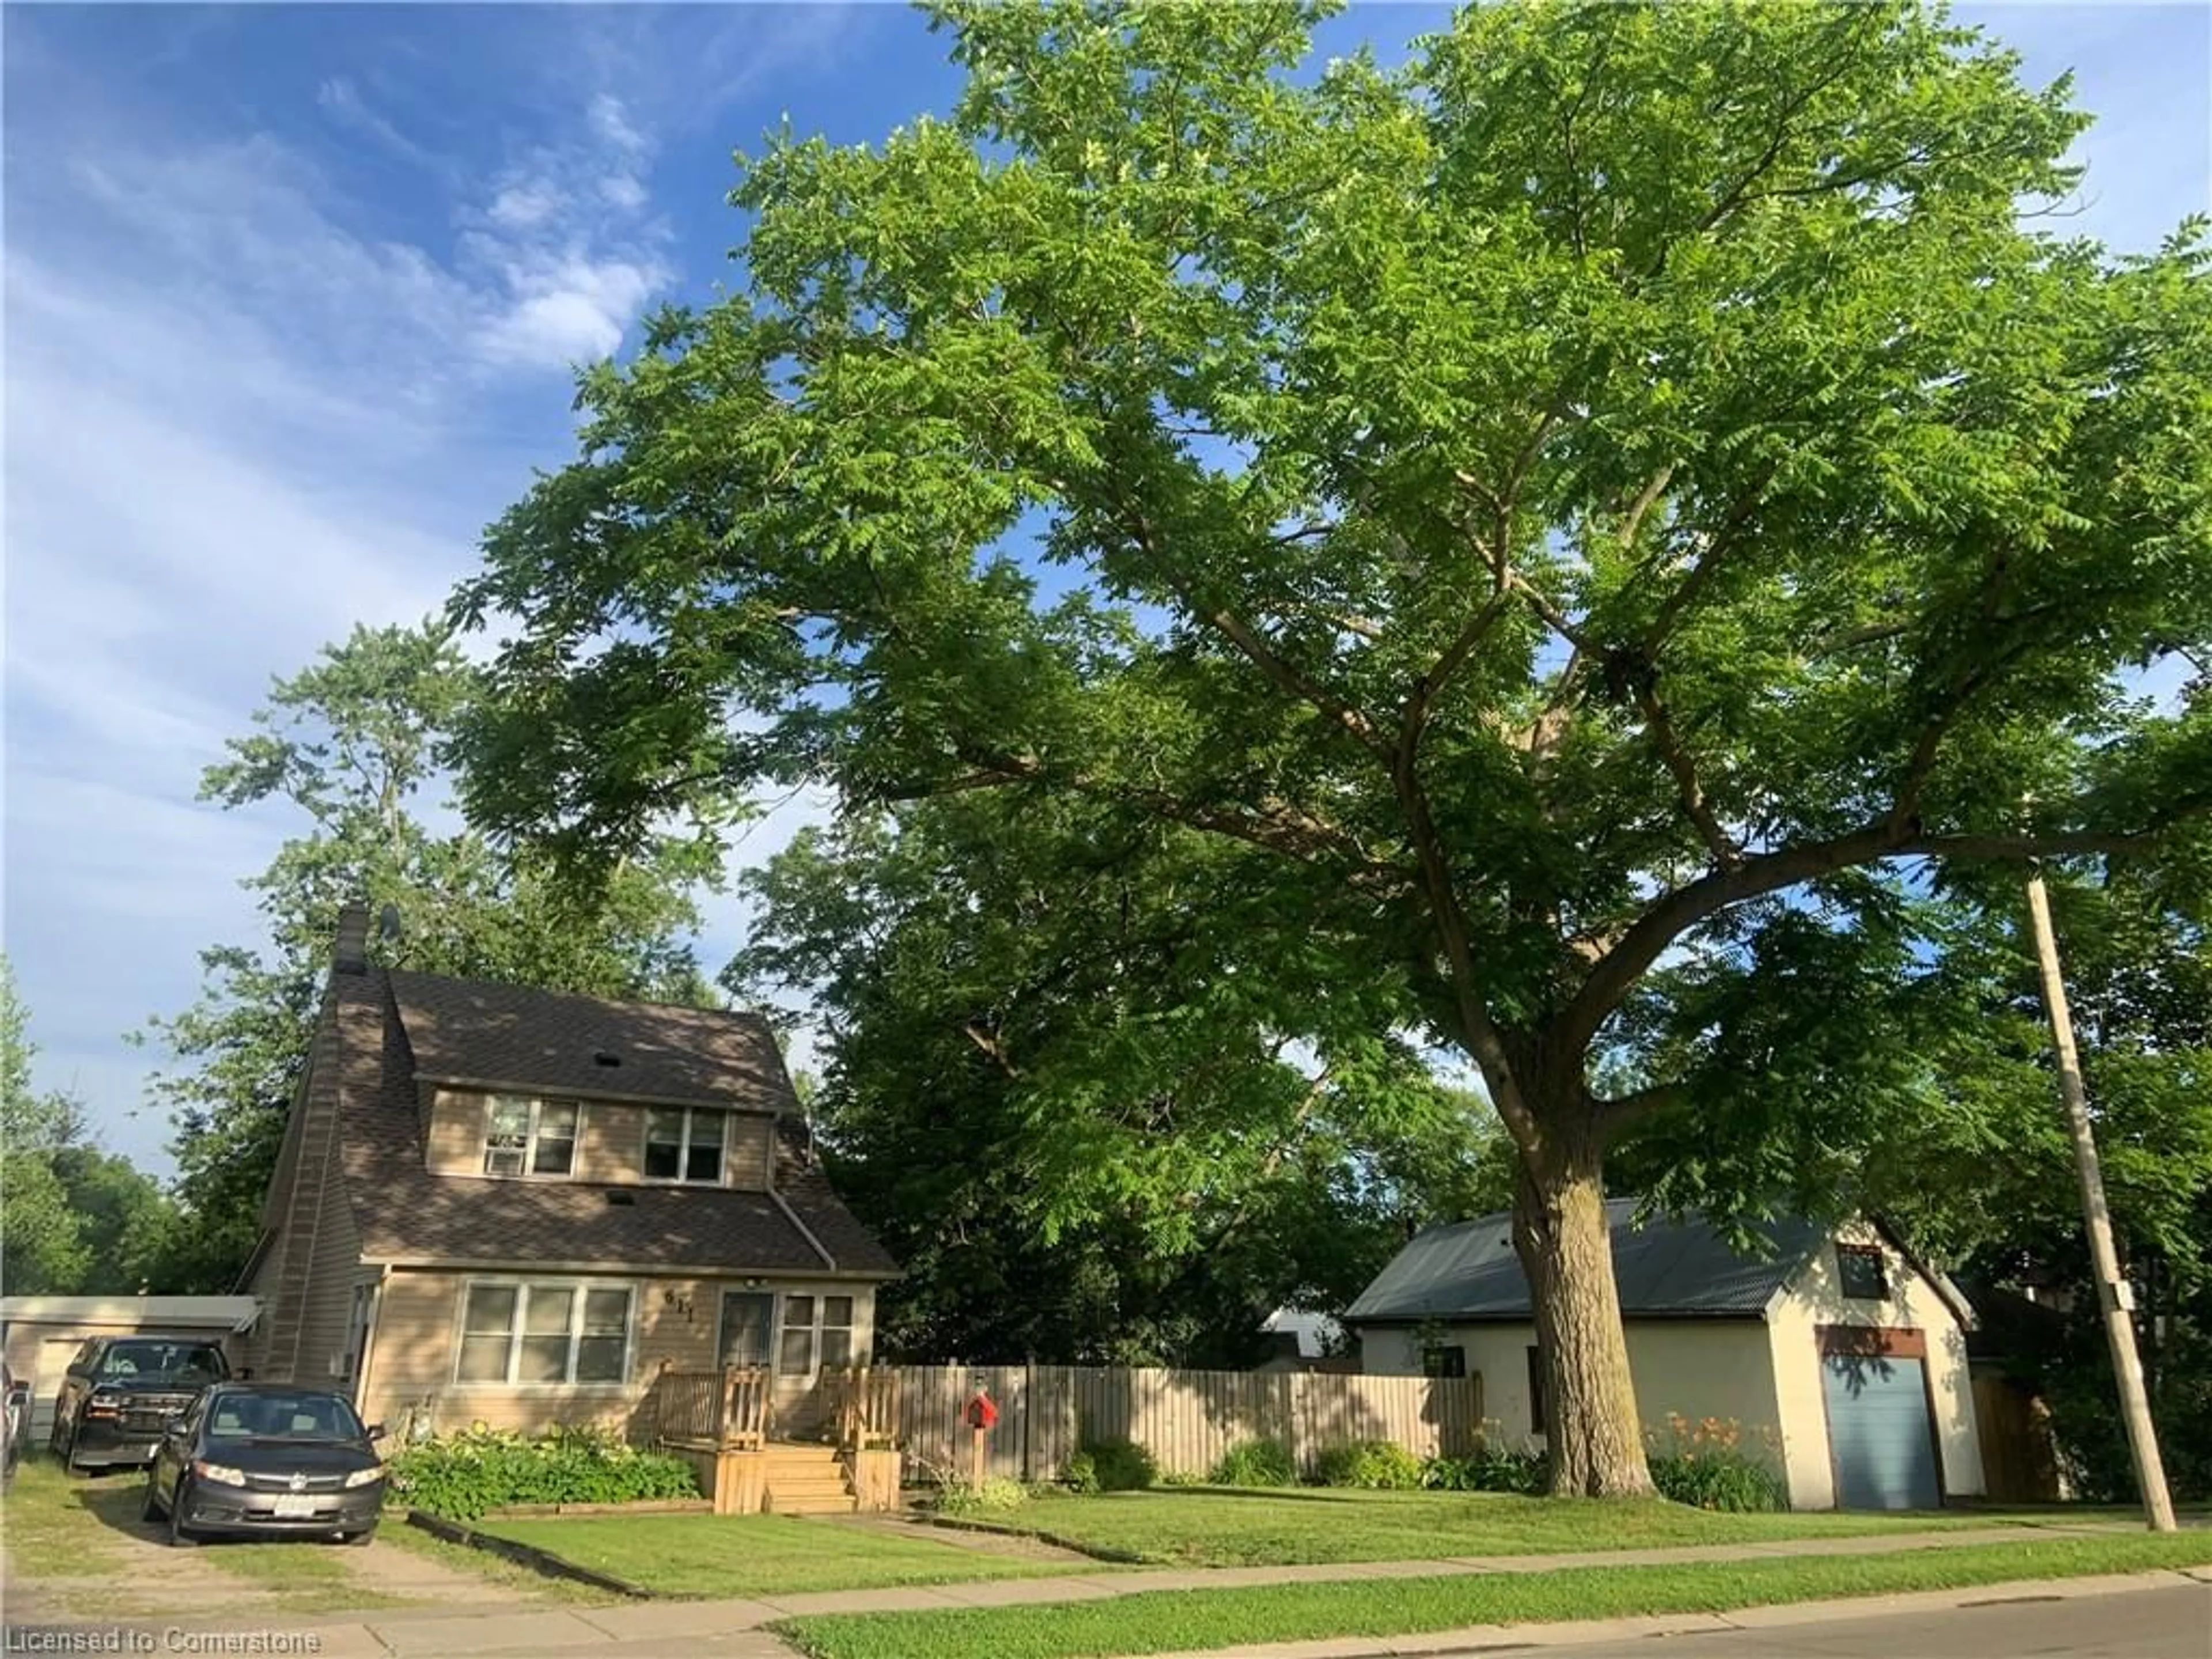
x=123, y=1392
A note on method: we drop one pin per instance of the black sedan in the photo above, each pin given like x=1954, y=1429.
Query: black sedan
x=267, y=1459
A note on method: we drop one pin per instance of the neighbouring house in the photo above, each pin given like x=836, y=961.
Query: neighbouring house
x=41, y=1334
x=1301, y=1341
x=516, y=1206
x=1843, y=1360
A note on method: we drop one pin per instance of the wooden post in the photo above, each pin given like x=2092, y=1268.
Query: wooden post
x=977, y=1456
x=2113, y=1294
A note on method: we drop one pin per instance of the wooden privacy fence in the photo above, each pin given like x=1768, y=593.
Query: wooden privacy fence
x=1186, y=1419
x=2019, y=1463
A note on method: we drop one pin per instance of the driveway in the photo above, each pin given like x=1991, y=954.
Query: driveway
x=77, y=1547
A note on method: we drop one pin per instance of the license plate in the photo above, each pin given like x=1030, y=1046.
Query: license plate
x=294, y=1507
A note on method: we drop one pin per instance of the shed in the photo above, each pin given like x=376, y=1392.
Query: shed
x=41, y=1334
x=1840, y=1359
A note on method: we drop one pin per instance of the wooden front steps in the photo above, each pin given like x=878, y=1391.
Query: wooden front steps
x=804, y=1480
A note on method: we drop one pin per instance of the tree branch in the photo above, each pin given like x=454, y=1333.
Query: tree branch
x=1661, y=726
x=1255, y=649
x=1274, y=825
x=991, y=1049
x=1709, y=559
x=1643, y=503
x=1625, y=1111
x=1768, y=872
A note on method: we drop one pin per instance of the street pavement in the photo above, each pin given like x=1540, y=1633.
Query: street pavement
x=2163, y=1623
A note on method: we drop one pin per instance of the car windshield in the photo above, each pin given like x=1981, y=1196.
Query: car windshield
x=281, y=1417
x=184, y=1361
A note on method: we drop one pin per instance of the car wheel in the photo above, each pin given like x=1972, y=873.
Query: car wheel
x=180, y=1536
x=363, y=1536
x=69, y=1457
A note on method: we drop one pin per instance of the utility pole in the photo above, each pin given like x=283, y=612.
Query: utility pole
x=2114, y=1297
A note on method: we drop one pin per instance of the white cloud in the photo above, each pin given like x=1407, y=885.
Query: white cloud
x=611, y=122
x=518, y=207
x=620, y=190
x=245, y=416
x=341, y=101
x=573, y=312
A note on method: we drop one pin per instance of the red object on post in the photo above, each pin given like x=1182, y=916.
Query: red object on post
x=981, y=1413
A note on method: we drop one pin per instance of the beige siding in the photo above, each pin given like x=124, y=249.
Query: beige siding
x=612, y=1148
x=455, y=1143
x=326, y=1325
x=1695, y=1369
x=751, y=1144
x=611, y=1140
x=672, y=1318
x=1815, y=1298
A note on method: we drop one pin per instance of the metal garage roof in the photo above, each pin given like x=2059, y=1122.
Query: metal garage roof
x=1468, y=1271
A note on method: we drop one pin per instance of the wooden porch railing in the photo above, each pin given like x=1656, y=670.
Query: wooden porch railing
x=729, y=1408
x=863, y=1403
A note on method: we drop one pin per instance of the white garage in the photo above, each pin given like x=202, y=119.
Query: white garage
x=41, y=1334
x=1843, y=1360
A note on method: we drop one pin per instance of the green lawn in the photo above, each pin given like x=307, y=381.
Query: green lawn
x=54, y=1527
x=707, y=1555
x=1178, y=1621
x=396, y=1534
x=1217, y=1526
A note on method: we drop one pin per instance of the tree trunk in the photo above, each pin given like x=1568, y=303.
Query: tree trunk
x=1559, y=1232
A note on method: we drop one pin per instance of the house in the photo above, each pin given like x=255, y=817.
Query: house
x=1843, y=1359
x=1301, y=1341
x=41, y=1334
x=516, y=1206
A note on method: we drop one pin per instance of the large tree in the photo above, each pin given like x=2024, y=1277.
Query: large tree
x=1067, y=1097
x=1624, y=488
x=351, y=744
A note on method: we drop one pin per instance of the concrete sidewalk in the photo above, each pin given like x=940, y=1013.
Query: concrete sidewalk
x=732, y=1628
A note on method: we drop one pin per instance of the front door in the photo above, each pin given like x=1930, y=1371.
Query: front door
x=748, y=1323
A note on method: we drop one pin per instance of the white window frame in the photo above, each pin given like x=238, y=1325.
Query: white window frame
x=538, y=1106
x=523, y=1288
x=721, y=1160
x=814, y=1329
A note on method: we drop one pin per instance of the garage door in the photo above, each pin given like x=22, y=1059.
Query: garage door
x=1879, y=1435
x=54, y=1356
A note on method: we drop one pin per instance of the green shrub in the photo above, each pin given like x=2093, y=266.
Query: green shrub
x=996, y=1495
x=1082, y=1472
x=1114, y=1466
x=1719, y=1480
x=1376, y=1465
x=1257, y=1464
x=1525, y=1474
x=1703, y=1464
x=462, y=1475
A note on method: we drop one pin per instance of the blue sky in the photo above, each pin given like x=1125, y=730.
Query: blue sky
x=291, y=296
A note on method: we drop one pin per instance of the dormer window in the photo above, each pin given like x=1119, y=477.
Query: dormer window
x=529, y=1137
x=685, y=1145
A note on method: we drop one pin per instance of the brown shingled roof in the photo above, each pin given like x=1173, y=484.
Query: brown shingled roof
x=387, y=1024
x=484, y=1032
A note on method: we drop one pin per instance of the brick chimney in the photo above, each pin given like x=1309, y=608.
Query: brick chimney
x=350, y=955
